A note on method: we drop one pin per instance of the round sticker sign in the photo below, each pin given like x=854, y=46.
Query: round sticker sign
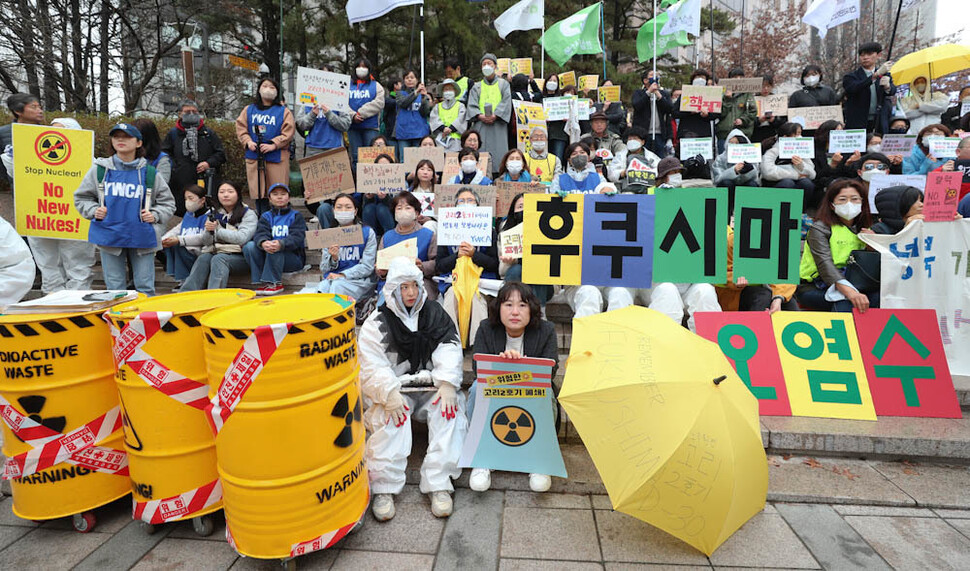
x=52, y=148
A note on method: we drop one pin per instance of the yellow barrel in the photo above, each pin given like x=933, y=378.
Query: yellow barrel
x=291, y=456
x=171, y=449
x=58, y=370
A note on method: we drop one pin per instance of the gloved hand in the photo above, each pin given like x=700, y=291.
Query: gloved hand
x=884, y=68
x=448, y=397
x=884, y=82
x=562, y=193
x=395, y=408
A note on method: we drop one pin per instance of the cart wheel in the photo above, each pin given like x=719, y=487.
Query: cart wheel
x=203, y=525
x=84, y=522
x=289, y=564
x=147, y=528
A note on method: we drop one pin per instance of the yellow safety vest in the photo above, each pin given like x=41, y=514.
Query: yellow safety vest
x=449, y=116
x=541, y=169
x=842, y=242
x=490, y=94
x=463, y=85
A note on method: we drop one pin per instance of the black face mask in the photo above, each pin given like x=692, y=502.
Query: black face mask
x=514, y=220
x=898, y=131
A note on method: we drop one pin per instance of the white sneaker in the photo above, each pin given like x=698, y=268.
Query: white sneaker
x=539, y=482
x=441, y=504
x=480, y=480
x=383, y=507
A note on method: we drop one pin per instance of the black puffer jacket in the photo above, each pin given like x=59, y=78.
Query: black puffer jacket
x=892, y=204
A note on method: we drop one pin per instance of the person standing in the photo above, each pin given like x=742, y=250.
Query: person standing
x=196, y=152
x=813, y=93
x=692, y=123
x=951, y=117
x=766, y=125
x=867, y=91
x=738, y=111
x=651, y=109
x=265, y=128
x=490, y=107
x=454, y=73
x=367, y=101
x=413, y=108
x=326, y=129
x=615, y=112
x=25, y=108
x=449, y=118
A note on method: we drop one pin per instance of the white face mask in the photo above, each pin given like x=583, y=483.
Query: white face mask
x=848, y=211
x=362, y=72
x=344, y=217
x=675, y=180
x=193, y=205
x=268, y=93
x=404, y=217
x=448, y=95
x=468, y=167
x=920, y=87
x=538, y=146
x=699, y=81
x=874, y=149
x=867, y=175
x=551, y=85
x=514, y=167
x=812, y=80
x=633, y=146
x=487, y=70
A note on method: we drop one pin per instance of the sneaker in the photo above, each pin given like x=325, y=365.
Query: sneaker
x=539, y=482
x=383, y=507
x=441, y=504
x=270, y=289
x=480, y=480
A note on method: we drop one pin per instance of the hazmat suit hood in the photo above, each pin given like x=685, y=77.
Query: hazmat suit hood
x=739, y=134
x=403, y=270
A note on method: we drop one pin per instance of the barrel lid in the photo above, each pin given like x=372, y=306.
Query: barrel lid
x=182, y=303
x=13, y=318
x=295, y=308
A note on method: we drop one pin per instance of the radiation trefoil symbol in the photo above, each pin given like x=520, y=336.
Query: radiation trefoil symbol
x=513, y=426
x=342, y=409
x=32, y=405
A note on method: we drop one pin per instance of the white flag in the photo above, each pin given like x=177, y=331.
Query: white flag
x=827, y=14
x=363, y=10
x=683, y=16
x=525, y=15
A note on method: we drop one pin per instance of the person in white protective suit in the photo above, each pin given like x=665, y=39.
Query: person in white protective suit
x=408, y=344
x=16, y=266
x=923, y=106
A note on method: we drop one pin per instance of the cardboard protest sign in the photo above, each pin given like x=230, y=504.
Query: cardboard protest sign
x=741, y=84
x=528, y=115
x=388, y=178
x=414, y=155
x=472, y=224
x=407, y=248
x=445, y=195
x=339, y=236
x=552, y=239
x=427, y=203
x=370, y=154
x=618, y=240
x=521, y=65
x=747, y=339
x=557, y=108
x=608, y=93
x=49, y=165
x=510, y=243
x=511, y=427
x=506, y=191
x=317, y=87
x=703, y=146
x=776, y=105
x=811, y=117
x=743, y=153
x=881, y=181
x=690, y=238
x=822, y=364
x=453, y=168
x=904, y=359
x=767, y=235
x=700, y=98
x=803, y=147
x=901, y=145
x=588, y=82
x=941, y=196
x=847, y=141
x=502, y=66
x=326, y=174
x=640, y=172
x=943, y=147
x=567, y=78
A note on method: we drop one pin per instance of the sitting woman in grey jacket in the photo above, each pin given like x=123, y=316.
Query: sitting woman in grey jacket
x=731, y=175
x=228, y=229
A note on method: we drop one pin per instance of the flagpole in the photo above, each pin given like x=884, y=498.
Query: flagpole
x=713, y=73
x=603, y=28
x=655, y=40
x=542, y=63
x=422, y=42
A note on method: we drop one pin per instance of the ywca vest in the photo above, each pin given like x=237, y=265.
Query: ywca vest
x=842, y=242
x=323, y=135
x=272, y=120
x=193, y=224
x=360, y=95
x=124, y=197
x=280, y=223
x=587, y=185
x=350, y=255
x=410, y=124
x=449, y=116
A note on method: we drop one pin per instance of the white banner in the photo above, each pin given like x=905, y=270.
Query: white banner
x=525, y=15
x=683, y=16
x=927, y=266
x=363, y=10
x=827, y=14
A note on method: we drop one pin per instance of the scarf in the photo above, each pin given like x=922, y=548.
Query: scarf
x=416, y=347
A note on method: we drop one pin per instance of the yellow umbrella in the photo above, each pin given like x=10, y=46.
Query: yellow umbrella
x=464, y=280
x=672, y=429
x=932, y=62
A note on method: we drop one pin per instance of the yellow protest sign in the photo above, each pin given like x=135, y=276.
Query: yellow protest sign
x=502, y=66
x=528, y=115
x=610, y=93
x=588, y=82
x=49, y=164
x=552, y=239
x=567, y=78
x=520, y=65
x=822, y=364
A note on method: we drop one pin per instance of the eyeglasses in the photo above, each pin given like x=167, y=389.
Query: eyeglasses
x=875, y=166
x=465, y=202
x=846, y=199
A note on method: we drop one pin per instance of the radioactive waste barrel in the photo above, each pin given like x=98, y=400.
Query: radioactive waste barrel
x=290, y=444
x=62, y=426
x=163, y=388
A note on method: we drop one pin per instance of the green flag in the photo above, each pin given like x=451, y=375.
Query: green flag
x=664, y=43
x=577, y=34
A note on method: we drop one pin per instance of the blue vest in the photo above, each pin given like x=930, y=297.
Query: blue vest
x=588, y=185
x=323, y=135
x=280, y=223
x=124, y=197
x=158, y=159
x=350, y=256
x=410, y=124
x=272, y=119
x=361, y=94
x=193, y=224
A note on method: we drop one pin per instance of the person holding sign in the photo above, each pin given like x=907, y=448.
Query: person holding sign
x=367, y=101
x=413, y=109
x=543, y=166
x=490, y=108
x=324, y=127
x=922, y=106
x=921, y=160
x=635, y=165
x=830, y=166
x=406, y=209
x=842, y=215
x=449, y=118
x=279, y=244
x=486, y=257
x=376, y=210
x=349, y=270
x=468, y=159
x=128, y=206
x=514, y=329
x=558, y=139
x=738, y=111
x=766, y=124
x=265, y=129
x=615, y=113
x=795, y=172
x=693, y=124
x=962, y=164
x=410, y=366
x=732, y=175
x=897, y=207
x=580, y=176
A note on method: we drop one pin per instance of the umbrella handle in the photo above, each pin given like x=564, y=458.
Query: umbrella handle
x=720, y=380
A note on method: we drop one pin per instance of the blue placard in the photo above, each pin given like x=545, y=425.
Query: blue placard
x=618, y=240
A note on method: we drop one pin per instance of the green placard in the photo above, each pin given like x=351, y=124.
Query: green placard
x=767, y=233
x=690, y=235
